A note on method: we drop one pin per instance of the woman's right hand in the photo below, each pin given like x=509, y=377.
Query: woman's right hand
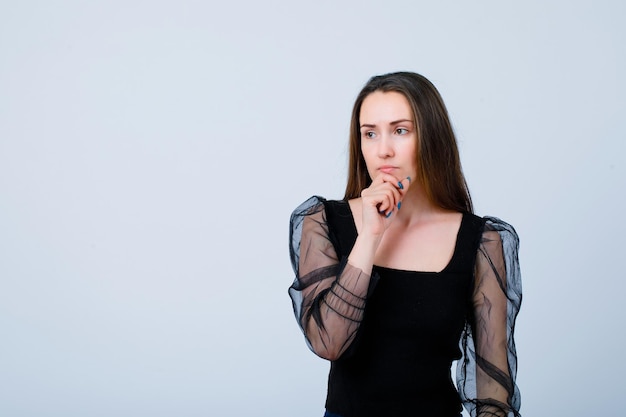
x=380, y=201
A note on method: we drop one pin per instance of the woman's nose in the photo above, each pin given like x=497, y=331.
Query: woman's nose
x=385, y=148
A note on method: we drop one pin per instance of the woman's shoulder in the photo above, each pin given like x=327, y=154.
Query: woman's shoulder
x=317, y=203
x=333, y=216
x=494, y=225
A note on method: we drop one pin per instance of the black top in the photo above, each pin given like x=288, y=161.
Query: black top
x=392, y=336
x=399, y=363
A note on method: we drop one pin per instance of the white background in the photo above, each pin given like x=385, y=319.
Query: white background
x=152, y=151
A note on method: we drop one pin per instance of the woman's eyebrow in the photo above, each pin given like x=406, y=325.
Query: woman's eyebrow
x=401, y=121
x=395, y=122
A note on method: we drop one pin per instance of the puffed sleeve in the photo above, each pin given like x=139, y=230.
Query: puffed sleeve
x=486, y=372
x=328, y=294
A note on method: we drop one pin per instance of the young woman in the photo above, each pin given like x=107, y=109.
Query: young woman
x=400, y=278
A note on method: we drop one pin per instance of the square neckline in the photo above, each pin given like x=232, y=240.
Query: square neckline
x=464, y=218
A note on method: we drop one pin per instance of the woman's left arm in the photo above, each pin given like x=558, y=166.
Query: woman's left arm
x=490, y=365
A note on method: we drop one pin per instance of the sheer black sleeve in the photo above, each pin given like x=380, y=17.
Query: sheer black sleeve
x=486, y=373
x=328, y=294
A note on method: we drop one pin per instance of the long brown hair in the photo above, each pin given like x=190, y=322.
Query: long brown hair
x=438, y=162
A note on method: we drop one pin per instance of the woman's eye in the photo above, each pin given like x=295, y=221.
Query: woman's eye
x=369, y=135
x=402, y=131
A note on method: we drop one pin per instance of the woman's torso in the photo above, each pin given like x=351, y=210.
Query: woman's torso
x=399, y=364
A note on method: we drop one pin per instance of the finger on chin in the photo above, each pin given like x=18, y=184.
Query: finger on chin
x=384, y=177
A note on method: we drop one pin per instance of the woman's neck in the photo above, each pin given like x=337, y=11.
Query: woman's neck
x=417, y=207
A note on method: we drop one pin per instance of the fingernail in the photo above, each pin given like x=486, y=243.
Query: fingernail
x=400, y=186
x=389, y=214
x=399, y=204
x=409, y=178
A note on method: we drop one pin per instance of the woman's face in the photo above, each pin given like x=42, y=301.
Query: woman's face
x=388, y=135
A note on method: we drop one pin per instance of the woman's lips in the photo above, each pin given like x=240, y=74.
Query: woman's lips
x=387, y=169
